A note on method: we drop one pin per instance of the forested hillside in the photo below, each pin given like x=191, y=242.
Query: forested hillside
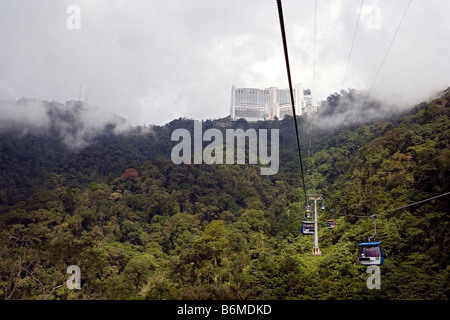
x=141, y=227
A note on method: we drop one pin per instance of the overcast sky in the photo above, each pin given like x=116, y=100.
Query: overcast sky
x=154, y=61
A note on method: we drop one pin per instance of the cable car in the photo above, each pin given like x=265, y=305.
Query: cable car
x=331, y=224
x=307, y=227
x=322, y=206
x=308, y=210
x=370, y=253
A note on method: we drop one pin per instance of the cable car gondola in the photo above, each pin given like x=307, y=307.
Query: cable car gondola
x=308, y=211
x=370, y=253
x=331, y=224
x=307, y=227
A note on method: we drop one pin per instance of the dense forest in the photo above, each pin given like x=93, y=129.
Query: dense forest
x=141, y=227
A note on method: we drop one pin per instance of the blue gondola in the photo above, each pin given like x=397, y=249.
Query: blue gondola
x=331, y=224
x=307, y=227
x=370, y=253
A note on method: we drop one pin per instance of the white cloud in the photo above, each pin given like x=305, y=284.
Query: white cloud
x=152, y=61
x=371, y=15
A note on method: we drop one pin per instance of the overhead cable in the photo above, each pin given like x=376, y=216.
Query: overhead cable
x=286, y=56
x=389, y=211
x=384, y=58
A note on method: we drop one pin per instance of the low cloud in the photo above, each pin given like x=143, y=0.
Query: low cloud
x=354, y=107
x=74, y=123
x=154, y=61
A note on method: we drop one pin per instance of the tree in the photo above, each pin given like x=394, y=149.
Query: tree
x=130, y=174
x=212, y=242
x=137, y=271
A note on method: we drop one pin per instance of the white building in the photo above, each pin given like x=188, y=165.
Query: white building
x=254, y=104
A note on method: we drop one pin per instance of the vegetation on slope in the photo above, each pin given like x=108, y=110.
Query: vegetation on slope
x=140, y=227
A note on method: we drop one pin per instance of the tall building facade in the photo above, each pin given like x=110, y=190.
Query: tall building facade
x=254, y=104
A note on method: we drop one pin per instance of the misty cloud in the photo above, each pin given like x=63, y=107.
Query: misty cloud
x=75, y=123
x=154, y=61
x=350, y=108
